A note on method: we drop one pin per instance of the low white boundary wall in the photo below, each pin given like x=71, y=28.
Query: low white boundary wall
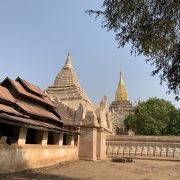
x=151, y=147
x=16, y=158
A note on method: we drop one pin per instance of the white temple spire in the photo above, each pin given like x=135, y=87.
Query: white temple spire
x=68, y=63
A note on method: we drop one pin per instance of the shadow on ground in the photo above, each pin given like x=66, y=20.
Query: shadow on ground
x=29, y=175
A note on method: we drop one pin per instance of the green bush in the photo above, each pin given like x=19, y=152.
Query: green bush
x=154, y=117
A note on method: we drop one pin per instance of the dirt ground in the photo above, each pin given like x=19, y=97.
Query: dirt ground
x=104, y=170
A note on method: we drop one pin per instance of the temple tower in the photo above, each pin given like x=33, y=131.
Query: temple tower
x=67, y=89
x=121, y=93
x=78, y=112
x=120, y=108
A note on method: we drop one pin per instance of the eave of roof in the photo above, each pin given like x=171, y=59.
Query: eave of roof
x=9, y=104
x=21, y=91
x=30, y=123
x=32, y=110
x=6, y=95
x=30, y=87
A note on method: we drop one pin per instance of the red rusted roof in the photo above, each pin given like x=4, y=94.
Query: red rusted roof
x=30, y=86
x=35, y=110
x=5, y=94
x=23, y=104
x=9, y=109
x=21, y=90
x=30, y=122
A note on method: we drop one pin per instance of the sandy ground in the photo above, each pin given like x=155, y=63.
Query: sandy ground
x=104, y=170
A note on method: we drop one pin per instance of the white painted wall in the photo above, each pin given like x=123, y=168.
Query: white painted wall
x=16, y=157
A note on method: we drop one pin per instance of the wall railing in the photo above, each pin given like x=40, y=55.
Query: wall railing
x=150, y=147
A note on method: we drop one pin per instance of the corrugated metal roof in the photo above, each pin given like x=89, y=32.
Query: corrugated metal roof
x=5, y=94
x=23, y=91
x=9, y=109
x=35, y=110
x=20, y=107
x=30, y=123
x=23, y=109
x=30, y=86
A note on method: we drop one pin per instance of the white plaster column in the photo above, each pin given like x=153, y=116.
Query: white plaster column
x=101, y=144
x=72, y=140
x=61, y=139
x=44, y=138
x=58, y=139
x=76, y=140
x=88, y=143
x=22, y=136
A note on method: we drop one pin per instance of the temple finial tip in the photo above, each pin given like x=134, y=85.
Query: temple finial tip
x=68, y=61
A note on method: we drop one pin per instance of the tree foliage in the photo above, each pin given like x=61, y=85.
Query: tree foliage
x=154, y=117
x=153, y=29
x=173, y=127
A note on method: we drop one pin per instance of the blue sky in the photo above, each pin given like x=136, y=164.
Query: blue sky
x=35, y=37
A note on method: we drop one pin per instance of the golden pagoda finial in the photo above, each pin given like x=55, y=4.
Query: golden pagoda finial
x=68, y=63
x=121, y=93
x=121, y=82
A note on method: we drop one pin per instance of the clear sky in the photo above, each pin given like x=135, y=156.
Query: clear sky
x=35, y=36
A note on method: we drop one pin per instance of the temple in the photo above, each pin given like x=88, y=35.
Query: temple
x=78, y=112
x=120, y=108
x=43, y=128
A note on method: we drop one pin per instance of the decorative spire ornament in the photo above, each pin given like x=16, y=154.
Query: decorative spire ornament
x=121, y=93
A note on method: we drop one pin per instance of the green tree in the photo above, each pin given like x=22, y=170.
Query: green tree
x=173, y=127
x=154, y=117
x=153, y=29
